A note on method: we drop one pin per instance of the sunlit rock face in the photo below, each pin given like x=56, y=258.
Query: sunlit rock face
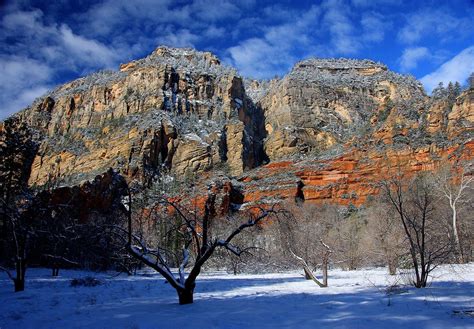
x=350, y=178
x=324, y=132
x=461, y=117
x=325, y=102
x=177, y=109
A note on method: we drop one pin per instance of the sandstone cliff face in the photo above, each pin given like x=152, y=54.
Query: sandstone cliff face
x=101, y=195
x=351, y=178
x=176, y=108
x=461, y=118
x=321, y=103
x=328, y=128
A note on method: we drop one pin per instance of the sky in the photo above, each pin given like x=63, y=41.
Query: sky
x=47, y=43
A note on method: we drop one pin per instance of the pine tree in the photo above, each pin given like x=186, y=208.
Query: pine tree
x=17, y=150
x=439, y=92
x=457, y=88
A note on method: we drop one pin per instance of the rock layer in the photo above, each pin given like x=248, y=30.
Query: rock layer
x=351, y=178
x=328, y=128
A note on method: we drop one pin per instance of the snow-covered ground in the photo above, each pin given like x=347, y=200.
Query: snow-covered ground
x=355, y=299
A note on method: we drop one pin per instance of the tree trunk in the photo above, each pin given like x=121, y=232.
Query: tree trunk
x=421, y=278
x=325, y=272
x=392, y=267
x=424, y=278
x=457, y=244
x=234, y=267
x=19, y=285
x=185, y=296
x=307, y=274
x=20, y=275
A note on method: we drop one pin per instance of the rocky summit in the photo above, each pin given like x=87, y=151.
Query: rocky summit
x=324, y=132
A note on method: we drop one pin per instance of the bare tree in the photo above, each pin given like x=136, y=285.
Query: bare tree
x=56, y=229
x=58, y=236
x=254, y=257
x=304, y=232
x=197, y=238
x=467, y=228
x=414, y=202
x=18, y=230
x=385, y=235
x=453, y=186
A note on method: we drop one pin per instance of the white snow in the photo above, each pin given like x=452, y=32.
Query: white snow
x=239, y=102
x=355, y=299
x=194, y=137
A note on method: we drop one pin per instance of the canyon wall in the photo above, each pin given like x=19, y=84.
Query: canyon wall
x=327, y=131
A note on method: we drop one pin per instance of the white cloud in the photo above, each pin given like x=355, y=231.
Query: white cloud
x=42, y=52
x=22, y=19
x=21, y=81
x=375, y=3
x=332, y=28
x=112, y=17
x=178, y=38
x=210, y=10
x=274, y=53
x=257, y=58
x=278, y=13
x=434, y=23
x=456, y=69
x=412, y=56
x=340, y=27
x=23, y=99
x=214, y=32
x=118, y=17
x=48, y=42
x=89, y=52
x=374, y=26
x=17, y=71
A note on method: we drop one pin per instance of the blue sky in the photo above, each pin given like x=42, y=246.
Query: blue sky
x=45, y=43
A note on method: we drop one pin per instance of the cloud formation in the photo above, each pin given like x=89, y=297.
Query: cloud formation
x=330, y=29
x=274, y=53
x=36, y=52
x=439, y=23
x=457, y=68
x=411, y=57
x=43, y=43
x=340, y=27
x=22, y=80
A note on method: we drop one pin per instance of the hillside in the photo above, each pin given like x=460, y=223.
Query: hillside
x=326, y=131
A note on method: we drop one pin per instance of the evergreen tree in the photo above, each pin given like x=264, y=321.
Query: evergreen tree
x=17, y=151
x=457, y=88
x=439, y=92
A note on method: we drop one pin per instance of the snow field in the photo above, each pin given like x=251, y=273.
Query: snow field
x=355, y=299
